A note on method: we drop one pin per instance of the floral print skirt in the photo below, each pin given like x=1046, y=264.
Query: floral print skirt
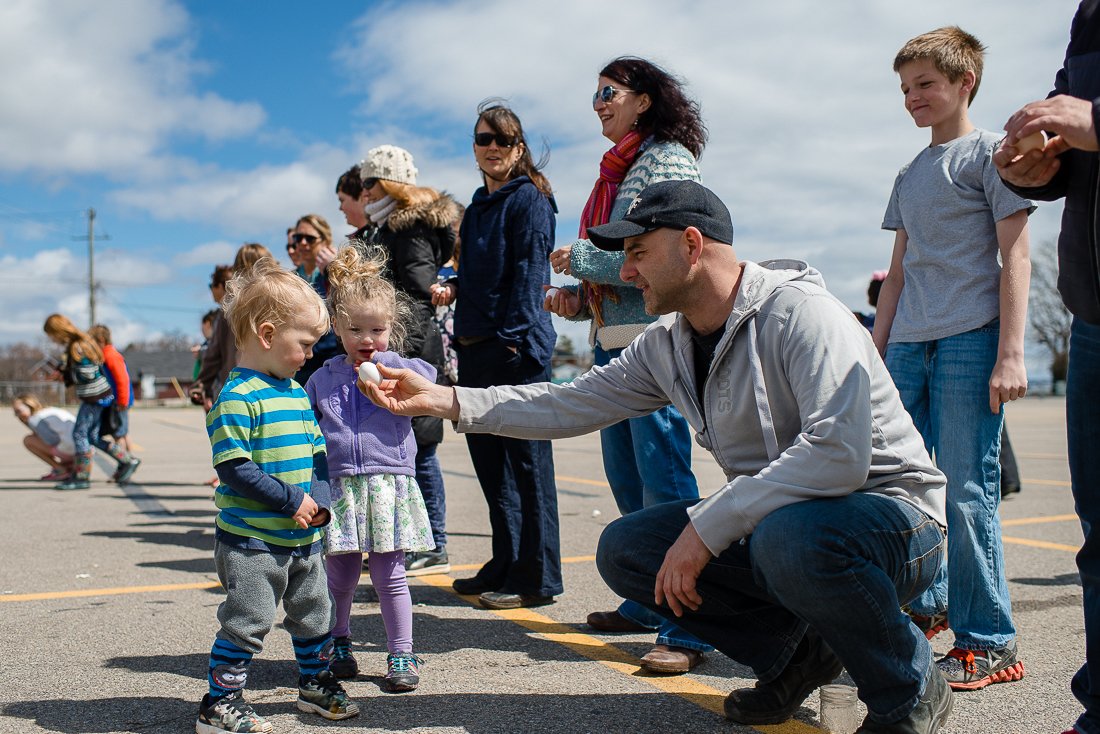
x=377, y=513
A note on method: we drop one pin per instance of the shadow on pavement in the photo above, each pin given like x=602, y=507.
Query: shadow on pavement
x=1065, y=579
x=195, y=539
x=475, y=713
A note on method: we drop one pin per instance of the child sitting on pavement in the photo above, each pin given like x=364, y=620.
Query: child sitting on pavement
x=274, y=496
x=377, y=507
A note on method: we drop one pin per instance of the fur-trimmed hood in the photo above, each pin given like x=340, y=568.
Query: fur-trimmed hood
x=436, y=214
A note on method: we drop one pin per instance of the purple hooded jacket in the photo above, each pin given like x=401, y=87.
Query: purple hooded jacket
x=361, y=437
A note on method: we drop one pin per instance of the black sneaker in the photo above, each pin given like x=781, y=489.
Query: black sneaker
x=402, y=672
x=126, y=470
x=931, y=711
x=812, y=666
x=342, y=663
x=323, y=694
x=424, y=563
x=471, y=586
x=229, y=713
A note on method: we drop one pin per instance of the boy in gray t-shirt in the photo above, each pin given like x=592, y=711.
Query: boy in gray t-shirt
x=950, y=325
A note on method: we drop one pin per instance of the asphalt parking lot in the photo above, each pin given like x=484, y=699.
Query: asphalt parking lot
x=108, y=599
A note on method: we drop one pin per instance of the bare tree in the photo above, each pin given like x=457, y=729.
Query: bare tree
x=1049, y=317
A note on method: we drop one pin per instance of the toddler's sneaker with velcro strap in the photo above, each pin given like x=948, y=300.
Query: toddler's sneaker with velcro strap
x=229, y=713
x=323, y=694
x=969, y=670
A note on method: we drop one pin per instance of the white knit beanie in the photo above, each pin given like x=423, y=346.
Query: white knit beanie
x=390, y=163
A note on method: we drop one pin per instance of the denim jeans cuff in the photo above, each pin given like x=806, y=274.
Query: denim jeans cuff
x=690, y=643
x=639, y=615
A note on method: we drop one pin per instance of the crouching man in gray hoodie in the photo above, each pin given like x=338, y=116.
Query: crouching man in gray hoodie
x=832, y=515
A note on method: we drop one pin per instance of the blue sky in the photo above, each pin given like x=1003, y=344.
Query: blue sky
x=193, y=127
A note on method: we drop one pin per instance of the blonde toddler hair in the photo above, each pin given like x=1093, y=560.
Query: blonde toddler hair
x=358, y=278
x=951, y=50
x=266, y=292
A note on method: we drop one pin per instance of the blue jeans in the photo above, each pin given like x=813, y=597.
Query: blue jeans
x=631, y=450
x=517, y=479
x=430, y=479
x=843, y=566
x=1083, y=429
x=944, y=384
x=86, y=428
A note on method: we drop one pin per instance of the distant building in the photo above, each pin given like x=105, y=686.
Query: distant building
x=160, y=375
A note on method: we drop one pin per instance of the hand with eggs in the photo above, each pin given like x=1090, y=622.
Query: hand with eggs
x=1070, y=121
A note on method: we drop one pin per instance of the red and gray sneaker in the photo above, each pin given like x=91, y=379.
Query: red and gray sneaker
x=931, y=625
x=969, y=670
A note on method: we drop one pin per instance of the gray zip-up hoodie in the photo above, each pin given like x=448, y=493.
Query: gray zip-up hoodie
x=797, y=405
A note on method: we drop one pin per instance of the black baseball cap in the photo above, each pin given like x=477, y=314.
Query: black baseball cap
x=672, y=204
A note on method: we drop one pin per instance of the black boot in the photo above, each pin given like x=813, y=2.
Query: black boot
x=812, y=665
x=929, y=715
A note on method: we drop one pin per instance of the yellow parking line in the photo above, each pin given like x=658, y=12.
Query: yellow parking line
x=1041, y=544
x=108, y=592
x=1037, y=520
x=46, y=595
x=1047, y=482
x=619, y=660
x=578, y=480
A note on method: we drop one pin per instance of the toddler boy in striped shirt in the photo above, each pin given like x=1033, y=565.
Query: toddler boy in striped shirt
x=273, y=500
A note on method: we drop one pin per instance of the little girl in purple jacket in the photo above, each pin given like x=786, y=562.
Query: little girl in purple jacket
x=377, y=507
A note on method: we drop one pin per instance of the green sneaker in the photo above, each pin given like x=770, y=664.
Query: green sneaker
x=324, y=695
x=229, y=714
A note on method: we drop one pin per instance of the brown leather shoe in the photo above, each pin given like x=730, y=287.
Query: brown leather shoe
x=613, y=622
x=673, y=660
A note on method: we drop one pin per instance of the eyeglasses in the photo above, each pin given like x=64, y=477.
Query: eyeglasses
x=291, y=247
x=608, y=93
x=484, y=140
x=305, y=239
x=214, y=285
x=369, y=183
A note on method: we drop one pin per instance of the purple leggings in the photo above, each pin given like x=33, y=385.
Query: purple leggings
x=387, y=573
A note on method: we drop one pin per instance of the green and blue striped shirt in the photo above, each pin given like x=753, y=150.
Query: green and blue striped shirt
x=270, y=422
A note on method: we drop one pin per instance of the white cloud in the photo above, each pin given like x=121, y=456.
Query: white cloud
x=208, y=254
x=102, y=87
x=807, y=128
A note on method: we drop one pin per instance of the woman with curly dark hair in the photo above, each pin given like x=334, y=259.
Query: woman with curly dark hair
x=657, y=134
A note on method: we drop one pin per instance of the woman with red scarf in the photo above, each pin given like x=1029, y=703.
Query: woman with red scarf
x=657, y=134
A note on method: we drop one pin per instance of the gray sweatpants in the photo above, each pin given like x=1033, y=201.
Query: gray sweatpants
x=256, y=581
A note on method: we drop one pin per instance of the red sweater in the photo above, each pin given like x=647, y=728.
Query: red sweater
x=117, y=374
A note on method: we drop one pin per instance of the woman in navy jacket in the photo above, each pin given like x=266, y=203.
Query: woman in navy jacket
x=504, y=337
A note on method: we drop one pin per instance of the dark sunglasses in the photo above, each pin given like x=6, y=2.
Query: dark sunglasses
x=369, y=183
x=484, y=140
x=305, y=239
x=608, y=93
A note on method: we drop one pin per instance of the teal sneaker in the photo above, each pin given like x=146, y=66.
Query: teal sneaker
x=402, y=672
x=342, y=663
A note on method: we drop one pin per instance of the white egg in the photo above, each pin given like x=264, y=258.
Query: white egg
x=369, y=373
x=1036, y=141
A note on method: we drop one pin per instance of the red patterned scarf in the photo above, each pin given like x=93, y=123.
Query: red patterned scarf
x=616, y=162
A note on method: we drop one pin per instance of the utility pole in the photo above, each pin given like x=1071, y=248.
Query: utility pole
x=91, y=267
x=91, y=264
